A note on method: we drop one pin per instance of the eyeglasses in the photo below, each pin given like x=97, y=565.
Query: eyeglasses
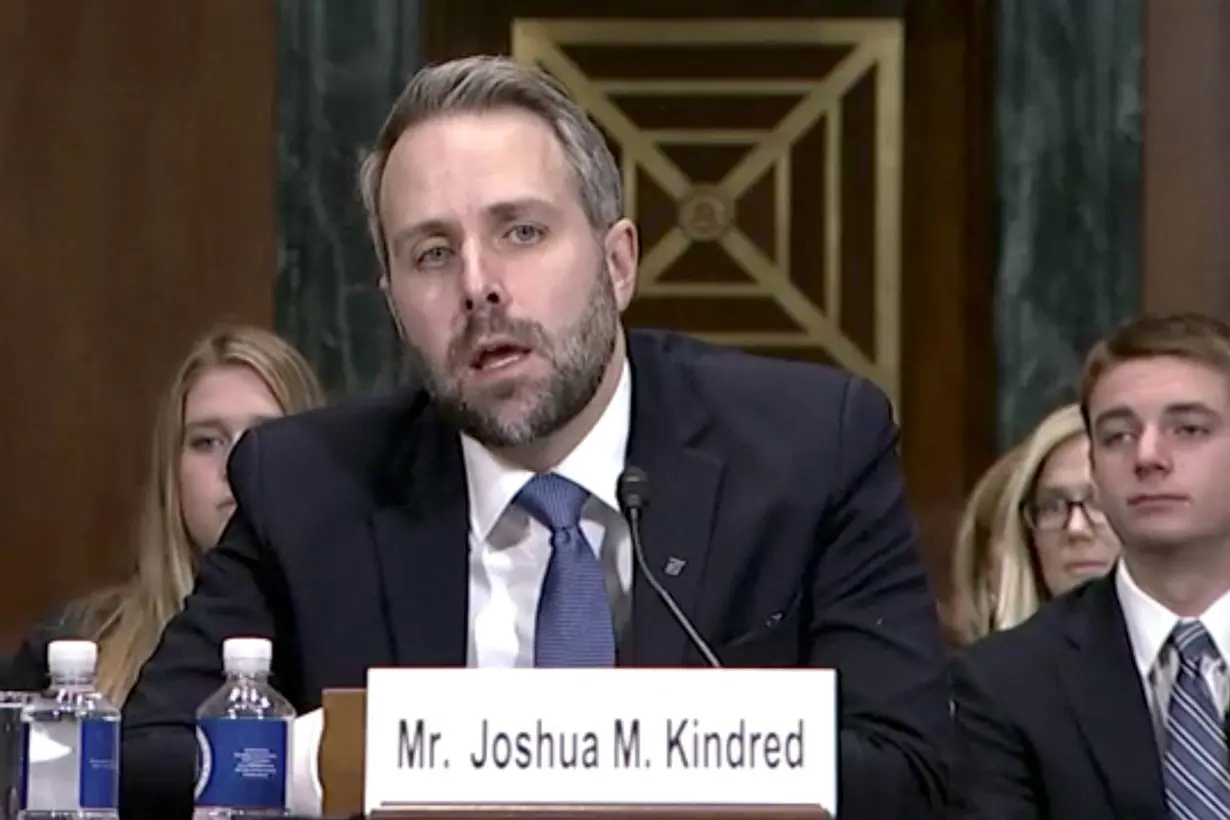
x=1052, y=514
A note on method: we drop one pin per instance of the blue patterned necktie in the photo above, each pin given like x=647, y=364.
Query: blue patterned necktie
x=1195, y=771
x=574, y=626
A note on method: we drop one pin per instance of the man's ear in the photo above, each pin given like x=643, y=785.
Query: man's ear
x=622, y=256
x=388, y=303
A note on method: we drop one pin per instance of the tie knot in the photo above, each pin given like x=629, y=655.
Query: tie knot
x=554, y=500
x=1191, y=640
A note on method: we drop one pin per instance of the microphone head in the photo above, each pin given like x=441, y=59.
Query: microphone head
x=632, y=490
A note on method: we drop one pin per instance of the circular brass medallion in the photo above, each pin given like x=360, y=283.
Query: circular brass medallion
x=705, y=214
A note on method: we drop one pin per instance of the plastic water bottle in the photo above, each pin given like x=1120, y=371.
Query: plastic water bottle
x=72, y=742
x=243, y=739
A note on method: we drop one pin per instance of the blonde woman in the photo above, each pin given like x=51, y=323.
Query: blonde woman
x=1032, y=530
x=233, y=378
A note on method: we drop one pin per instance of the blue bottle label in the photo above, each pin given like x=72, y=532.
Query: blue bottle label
x=96, y=766
x=241, y=763
x=23, y=766
x=100, y=764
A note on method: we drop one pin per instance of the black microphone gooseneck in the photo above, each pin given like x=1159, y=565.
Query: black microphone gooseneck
x=632, y=492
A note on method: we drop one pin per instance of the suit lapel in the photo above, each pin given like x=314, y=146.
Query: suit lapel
x=420, y=536
x=676, y=527
x=1111, y=710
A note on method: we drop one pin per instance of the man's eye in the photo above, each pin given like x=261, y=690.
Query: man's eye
x=433, y=257
x=525, y=234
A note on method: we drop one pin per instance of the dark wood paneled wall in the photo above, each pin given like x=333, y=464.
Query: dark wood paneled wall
x=949, y=265
x=136, y=208
x=1187, y=156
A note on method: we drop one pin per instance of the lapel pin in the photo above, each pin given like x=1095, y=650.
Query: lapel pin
x=674, y=566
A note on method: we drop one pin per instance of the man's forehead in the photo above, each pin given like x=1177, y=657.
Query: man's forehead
x=474, y=162
x=472, y=143
x=1152, y=386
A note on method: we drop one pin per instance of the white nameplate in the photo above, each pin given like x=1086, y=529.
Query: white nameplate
x=631, y=736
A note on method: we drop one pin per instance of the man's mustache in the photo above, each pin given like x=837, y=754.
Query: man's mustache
x=524, y=332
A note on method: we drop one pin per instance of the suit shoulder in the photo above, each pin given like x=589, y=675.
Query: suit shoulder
x=1007, y=647
x=341, y=425
x=779, y=389
x=1017, y=650
x=349, y=441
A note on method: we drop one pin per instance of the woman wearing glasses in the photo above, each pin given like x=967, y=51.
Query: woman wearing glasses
x=1032, y=530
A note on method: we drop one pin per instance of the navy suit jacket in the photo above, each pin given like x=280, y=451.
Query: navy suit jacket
x=1052, y=721
x=778, y=483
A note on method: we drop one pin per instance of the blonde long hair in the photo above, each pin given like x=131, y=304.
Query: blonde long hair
x=127, y=621
x=996, y=580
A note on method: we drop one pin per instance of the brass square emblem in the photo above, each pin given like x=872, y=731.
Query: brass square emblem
x=767, y=183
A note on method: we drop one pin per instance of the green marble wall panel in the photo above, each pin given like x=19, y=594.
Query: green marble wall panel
x=1068, y=154
x=341, y=64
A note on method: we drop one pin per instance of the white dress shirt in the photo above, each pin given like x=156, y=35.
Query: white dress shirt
x=509, y=550
x=1149, y=625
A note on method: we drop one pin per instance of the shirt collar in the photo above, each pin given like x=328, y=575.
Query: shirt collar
x=595, y=463
x=1149, y=623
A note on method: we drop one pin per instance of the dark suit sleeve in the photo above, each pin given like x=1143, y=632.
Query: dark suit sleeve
x=234, y=596
x=875, y=621
x=991, y=777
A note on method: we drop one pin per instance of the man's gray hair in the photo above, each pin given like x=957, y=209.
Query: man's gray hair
x=485, y=83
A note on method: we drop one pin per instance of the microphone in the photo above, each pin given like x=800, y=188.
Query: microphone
x=632, y=492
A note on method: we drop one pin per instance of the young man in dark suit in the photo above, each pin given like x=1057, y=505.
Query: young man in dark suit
x=476, y=521
x=1110, y=703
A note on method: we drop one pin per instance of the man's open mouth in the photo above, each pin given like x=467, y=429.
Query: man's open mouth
x=497, y=354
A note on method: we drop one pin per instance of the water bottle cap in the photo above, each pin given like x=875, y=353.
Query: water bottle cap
x=72, y=657
x=247, y=654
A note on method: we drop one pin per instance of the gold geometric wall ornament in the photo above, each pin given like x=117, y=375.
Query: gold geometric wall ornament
x=756, y=232
x=706, y=213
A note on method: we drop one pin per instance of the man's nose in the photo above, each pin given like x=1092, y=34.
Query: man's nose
x=1151, y=452
x=482, y=281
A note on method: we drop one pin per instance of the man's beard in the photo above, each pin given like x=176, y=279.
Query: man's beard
x=578, y=356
